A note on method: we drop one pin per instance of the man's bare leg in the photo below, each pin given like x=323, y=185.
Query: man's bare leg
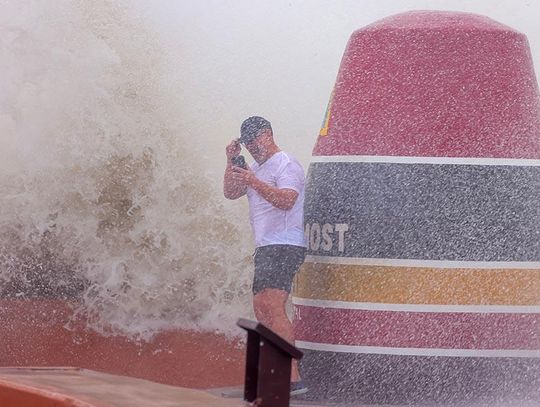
x=269, y=306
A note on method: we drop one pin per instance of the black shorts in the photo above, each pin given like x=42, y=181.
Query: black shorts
x=276, y=265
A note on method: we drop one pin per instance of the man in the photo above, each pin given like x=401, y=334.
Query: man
x=274, y=185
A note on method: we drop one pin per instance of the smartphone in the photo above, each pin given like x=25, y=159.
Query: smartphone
x=239, y=161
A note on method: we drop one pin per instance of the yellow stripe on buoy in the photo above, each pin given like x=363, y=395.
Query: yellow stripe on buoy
x=324, y=129
x=418, y=285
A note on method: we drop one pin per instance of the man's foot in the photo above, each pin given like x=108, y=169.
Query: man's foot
x=298, y=388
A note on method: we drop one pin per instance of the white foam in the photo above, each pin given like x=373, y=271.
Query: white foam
x=97, y=183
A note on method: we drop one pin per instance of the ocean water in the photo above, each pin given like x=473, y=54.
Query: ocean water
x=104, y=203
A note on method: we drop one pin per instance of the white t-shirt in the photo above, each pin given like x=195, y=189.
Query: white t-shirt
x=272, y=225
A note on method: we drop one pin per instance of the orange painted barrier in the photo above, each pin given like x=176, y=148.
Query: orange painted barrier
x=73, y=387
x=18, y=395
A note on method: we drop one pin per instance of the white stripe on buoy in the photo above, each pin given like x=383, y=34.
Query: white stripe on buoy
x=463, y=353
x=442, y=264
x=520, y=162
x=377, y=306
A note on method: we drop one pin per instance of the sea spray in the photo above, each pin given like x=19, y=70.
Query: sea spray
x=103, y=203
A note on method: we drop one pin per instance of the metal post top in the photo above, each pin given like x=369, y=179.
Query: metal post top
x=271, y=336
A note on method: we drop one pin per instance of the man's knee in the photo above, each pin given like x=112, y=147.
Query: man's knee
x=263, y=306
x=269, y=303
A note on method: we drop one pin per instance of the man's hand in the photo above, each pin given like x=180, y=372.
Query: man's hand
x=242, y=176
x=233, y=149
x=234, y=185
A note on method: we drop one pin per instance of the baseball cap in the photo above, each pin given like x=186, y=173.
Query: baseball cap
x=251, y=127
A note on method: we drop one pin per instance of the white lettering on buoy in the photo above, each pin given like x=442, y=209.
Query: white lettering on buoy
x=315, y=236
x=325, y=237
x=341, y=228
x=327, y=231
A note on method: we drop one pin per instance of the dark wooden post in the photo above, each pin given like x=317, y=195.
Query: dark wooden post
x=268, y=365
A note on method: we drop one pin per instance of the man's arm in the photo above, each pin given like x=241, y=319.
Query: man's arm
x=232, y=187
x=281, y=198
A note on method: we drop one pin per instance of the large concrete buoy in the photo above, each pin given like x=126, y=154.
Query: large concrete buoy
x=422, y=212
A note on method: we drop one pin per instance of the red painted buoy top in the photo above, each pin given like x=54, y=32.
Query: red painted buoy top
x=434, y=84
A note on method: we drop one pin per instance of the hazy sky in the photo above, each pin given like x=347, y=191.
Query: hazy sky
x=279, y=59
